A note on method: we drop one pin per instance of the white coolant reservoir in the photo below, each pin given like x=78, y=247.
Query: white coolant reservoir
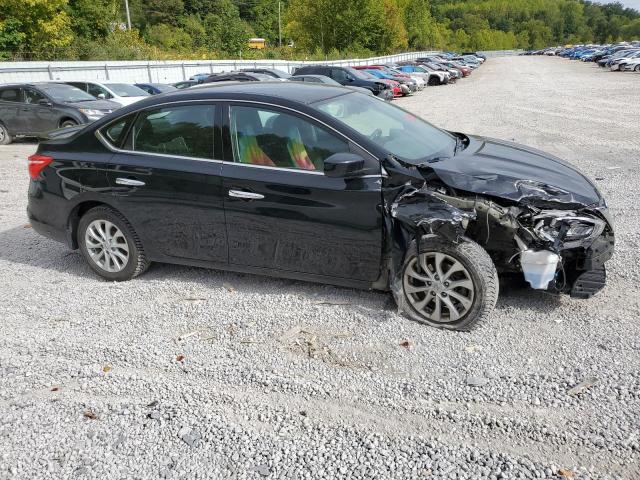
x=539, y=267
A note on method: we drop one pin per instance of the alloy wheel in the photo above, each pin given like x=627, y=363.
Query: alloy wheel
x=107, y=246
x=438, y=287
x=2, y=134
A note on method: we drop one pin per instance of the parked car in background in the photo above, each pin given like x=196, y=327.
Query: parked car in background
x=32, y=109
x=406, y=88
x=431, y=77
x=185, y=84
x=615, y=63
x=407, y=84
x=199, y=77
x=630, y=65
x=272, y=72
x=346, y=76
x=328, y=81
x=464, y=70
x=155, y=88
x=122, y=93
x=237, y=77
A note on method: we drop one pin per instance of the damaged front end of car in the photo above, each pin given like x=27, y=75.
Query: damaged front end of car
x=558, y=239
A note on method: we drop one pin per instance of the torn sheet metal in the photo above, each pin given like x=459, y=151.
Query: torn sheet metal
x=421, y=211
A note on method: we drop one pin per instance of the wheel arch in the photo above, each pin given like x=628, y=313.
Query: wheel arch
x=66, y=117
x=77, y=213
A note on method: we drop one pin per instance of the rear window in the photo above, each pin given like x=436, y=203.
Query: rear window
x=10, y=95
x=125, y=90
x=185, y=131
x=115, y=132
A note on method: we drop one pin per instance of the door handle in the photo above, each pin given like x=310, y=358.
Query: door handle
x=130, y=182
x=245, y=195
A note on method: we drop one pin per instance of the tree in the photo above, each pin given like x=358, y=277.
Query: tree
x=42, y=27
x=225, y=30
x=168, y=37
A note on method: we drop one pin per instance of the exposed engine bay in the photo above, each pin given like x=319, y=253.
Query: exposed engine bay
x=559, y=240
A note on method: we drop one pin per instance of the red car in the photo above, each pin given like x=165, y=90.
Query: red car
x=395, y=86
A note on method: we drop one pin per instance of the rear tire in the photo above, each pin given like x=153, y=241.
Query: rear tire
x=637, y=68
x=462, y=285
x=5, y=138
x=110, y=245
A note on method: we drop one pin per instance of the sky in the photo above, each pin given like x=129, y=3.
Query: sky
x=629, y=3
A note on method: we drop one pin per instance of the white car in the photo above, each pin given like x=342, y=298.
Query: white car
x=631, y=65
x=627, y=55
x=119, y=92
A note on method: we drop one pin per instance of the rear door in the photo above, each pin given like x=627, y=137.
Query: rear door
x=10, y=103
x=166, y=180
x=282, y=212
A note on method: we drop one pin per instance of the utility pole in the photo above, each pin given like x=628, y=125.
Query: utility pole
x=279, y=26
x=126, y=7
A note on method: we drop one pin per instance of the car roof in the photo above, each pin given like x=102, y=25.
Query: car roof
x=35, y=84
x=298, y=92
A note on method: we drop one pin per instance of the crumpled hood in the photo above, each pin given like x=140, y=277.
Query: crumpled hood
x=511, y=171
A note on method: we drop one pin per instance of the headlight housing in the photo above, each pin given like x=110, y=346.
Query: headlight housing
x=567, y=229
x=90, y=112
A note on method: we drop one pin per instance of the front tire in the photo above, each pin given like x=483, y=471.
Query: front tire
x=451, y=286
x=5, y=138
x=68, y=123
x=110, y=245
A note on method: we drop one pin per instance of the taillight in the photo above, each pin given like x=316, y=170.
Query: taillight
x=37, y=163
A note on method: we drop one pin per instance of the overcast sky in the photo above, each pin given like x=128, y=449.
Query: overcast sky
x=630, y=3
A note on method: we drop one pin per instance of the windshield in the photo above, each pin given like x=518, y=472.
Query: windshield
x=65, y=93
x=377, y=73
x=124, y=90
x=399, y=132
x=164, y=88
x=359, y=74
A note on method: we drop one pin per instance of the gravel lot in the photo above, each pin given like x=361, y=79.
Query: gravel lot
x=192, y=373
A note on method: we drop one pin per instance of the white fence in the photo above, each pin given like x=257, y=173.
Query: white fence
x=501, y=53
x=159, y=71
x=170, y=71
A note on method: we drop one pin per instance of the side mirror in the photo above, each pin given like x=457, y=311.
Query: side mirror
x=102, y=96
x=343, y=165
x=350, y=79
x=45, y=103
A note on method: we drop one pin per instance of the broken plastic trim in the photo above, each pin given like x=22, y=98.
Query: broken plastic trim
x=420, y=204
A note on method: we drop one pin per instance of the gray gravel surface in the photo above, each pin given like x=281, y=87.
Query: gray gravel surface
x=192, y=373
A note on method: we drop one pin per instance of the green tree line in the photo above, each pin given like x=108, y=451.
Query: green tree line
x=165, y=29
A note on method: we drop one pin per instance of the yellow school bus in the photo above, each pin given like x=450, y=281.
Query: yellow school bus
x=258, y=43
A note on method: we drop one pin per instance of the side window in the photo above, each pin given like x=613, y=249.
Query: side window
x=339, y=75
x=81, y=85
x=33, y=97
x=116, y=131
x=183, y=130
x=275, y=139
x=96, y=90
x=10, y=95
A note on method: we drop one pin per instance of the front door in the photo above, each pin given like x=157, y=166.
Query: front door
x=282, y=212
x=166, y=180
x=36, y=117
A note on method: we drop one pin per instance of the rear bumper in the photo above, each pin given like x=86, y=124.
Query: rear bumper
x=47, y=214
x=47, y=230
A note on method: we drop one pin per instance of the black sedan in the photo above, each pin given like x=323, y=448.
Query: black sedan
x=33, y=109
x=323, y=184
